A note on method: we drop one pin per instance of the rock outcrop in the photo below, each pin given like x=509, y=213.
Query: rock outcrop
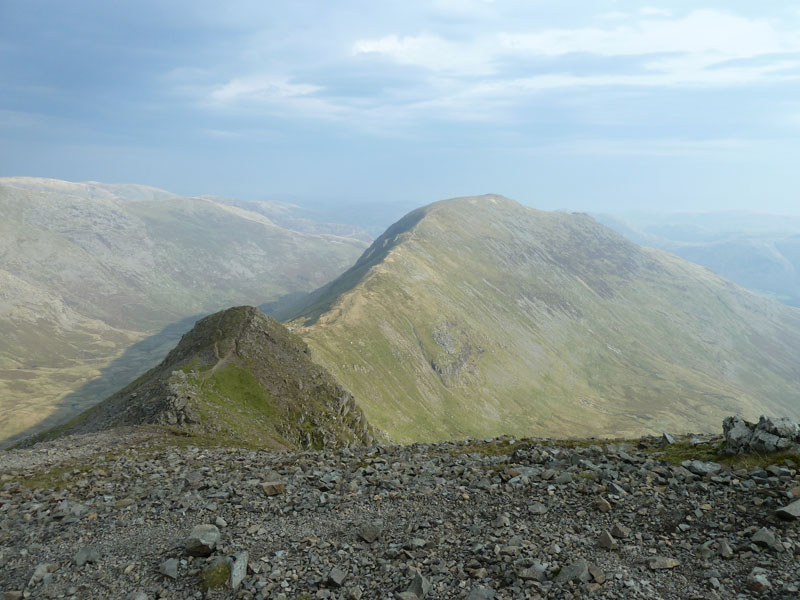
x=768, y=435
x=238, y=375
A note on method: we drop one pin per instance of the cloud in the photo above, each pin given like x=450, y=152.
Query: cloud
x=666, y=147
x=706, y=31
x=272, y=95
x=484, y=71
x=481, y=76
x=261, y=88
x=651, y=11
x=430, y=52
x=712, y=33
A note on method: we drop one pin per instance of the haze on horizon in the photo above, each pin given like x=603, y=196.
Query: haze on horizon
x=596, y=106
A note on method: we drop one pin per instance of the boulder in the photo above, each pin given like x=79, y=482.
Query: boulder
x=789, y=512
x=202, y=540
x=768, y=435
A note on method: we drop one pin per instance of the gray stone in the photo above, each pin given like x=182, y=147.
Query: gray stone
x=238, y=568
x=12, y=595
x=667, y=439
x=481, y=593
x=699, y=467
x=137, y=595
x=615, y=490
x=597, y=574
x=355, y=594
x=202, y=540
x=737, y=434
x=42, y=572
x=602, y=505
x=763, y=441
x=662, y=562
x=564, y=478
x=757, y=580
x=535, y=572
x=370, y=532
x=620, y=531
x=537, y=508
x=789, y=512
x=577, y=571
x=336, y=577
x=764, y=538
x=169, y=568
x=87, y=554
x=768, y=435
x=607, y=541
x=781, y=427
x=420, y=586
x=273, y=488
x=725, y=550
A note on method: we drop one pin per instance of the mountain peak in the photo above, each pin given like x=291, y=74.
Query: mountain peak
x=480, y=316
x=241, y=375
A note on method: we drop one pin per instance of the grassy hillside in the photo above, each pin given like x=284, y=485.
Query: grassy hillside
x=89, y=269
x=758, y=251
x=479, y=316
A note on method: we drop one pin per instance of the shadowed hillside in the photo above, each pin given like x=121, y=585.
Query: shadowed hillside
x=89, y=269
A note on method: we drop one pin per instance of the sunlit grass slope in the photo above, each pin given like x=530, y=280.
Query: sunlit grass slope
x=478, y=316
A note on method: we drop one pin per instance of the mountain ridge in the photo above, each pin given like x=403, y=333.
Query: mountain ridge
x=240, y=376
x=485, y=314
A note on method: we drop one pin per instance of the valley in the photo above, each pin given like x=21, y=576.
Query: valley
x=90, y=272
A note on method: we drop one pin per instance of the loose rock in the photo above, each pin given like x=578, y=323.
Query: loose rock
x=202, y=540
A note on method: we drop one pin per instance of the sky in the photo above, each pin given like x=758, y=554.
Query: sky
x=596, y=105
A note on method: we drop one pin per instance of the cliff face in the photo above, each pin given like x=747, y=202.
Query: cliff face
x=238, y=375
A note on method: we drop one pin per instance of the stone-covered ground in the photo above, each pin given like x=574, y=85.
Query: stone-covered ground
x=108, y=516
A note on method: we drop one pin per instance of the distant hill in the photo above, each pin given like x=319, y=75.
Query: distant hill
x=292, y=216
x=89, y=270
x=758, y=251
x=237, y=376
x=479, y=316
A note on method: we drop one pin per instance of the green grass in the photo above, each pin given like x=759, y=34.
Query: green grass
x=57, y=478
x=238, y=406
x=216, y=576
x=683, y=450
x=565, y=328
x=242, y=389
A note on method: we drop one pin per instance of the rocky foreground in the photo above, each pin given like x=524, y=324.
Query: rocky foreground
x=133, y=516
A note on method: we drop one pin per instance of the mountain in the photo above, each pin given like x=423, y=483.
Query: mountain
x=758, y=251
x=240, y=376
x=291, y=216
x=89, y=270
x=479, y=316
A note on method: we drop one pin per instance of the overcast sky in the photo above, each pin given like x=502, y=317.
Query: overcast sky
x=584, y=105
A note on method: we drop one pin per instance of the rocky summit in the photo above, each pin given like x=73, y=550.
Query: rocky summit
x=241, y=377
x=131, y=514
